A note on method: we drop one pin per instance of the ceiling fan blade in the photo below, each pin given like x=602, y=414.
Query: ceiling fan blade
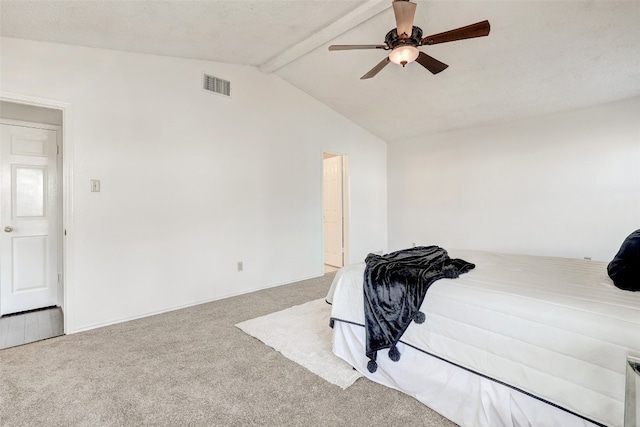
x=479, y=29
x=404, y=11
x=375, y=70
x=430, y=63
x=357, y=46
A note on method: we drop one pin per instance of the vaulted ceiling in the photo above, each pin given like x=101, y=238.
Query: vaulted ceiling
x=541, y=57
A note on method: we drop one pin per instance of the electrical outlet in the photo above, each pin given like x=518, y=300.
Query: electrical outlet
x=95, y=185
x=240, y=266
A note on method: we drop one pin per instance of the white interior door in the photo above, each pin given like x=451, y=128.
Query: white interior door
x=333, y=211
x=28, y=218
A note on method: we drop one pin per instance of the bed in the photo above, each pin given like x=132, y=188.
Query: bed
x=517, y=341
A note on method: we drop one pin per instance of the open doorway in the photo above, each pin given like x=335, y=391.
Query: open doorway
x=31, y=220
x=335, y=210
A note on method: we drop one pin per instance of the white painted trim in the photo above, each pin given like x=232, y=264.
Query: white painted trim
x=346, y=212
x=67, y=195
x=180, y=307
x=27, y=124
x=356, y=17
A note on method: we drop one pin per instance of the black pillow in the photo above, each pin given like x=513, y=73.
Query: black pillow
x=624, y=269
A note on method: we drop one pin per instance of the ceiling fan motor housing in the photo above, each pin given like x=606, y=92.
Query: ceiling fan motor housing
x=393, y=40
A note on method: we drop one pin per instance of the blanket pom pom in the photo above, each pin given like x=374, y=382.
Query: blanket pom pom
x=394, y=353
x=372, y=366
x=419, y=317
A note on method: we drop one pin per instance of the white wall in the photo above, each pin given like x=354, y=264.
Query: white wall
x=192, y=182
x=562, y=185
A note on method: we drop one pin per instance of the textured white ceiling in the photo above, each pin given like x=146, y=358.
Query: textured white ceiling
x=541, y=56
x=239, y=31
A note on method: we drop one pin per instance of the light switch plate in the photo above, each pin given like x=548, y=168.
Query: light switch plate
x=95, y=185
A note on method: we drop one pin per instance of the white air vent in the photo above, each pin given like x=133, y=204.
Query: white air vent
x=217, y=85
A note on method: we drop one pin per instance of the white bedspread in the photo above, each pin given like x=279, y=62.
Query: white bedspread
x=553, y=327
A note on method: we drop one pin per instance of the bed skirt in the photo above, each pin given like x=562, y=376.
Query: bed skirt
x=465, y=397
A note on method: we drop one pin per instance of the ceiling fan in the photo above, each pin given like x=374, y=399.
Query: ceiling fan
x=404, y=40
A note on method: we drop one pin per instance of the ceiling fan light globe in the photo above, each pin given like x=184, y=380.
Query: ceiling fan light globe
x=402, y=55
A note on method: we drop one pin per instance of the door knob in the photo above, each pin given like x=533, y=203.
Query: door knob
x=8, y=229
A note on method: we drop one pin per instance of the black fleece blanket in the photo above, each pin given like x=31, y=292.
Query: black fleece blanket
x=395, y=285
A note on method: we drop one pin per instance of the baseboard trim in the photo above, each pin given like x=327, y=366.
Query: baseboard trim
x=179, y=307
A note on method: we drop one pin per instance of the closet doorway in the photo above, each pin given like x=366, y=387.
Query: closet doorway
x=335, y=210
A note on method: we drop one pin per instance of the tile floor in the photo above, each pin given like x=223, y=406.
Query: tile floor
x=23, y=328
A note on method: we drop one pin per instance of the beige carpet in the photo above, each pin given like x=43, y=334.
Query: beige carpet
x=302, y=334
x=190, y=367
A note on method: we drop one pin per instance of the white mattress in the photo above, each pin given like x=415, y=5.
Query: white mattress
x=553, y=327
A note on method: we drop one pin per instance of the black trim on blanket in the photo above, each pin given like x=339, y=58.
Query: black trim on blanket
x=333, y=319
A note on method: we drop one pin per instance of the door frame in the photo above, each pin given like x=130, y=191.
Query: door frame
x=66, y=200
x=345, y=206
